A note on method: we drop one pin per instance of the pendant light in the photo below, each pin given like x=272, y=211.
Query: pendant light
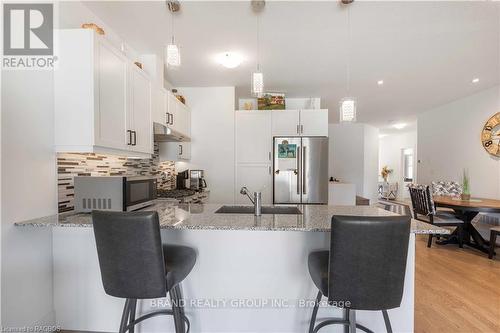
x=257, y=76
x=348, y=104
x=173, y=52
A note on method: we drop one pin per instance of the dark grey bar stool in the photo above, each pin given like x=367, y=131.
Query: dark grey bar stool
x=365, y=266
x=136, y=265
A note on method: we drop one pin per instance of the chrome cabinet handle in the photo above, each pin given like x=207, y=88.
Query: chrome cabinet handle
x=298, y=129
x=168, y=118
x=129, y=138
x=269, y=169
x=180, y=150
x=135, y=138
x=269, y=156
x=301, y=129
x=298, y=168
x=172, y=119
x=304, y=170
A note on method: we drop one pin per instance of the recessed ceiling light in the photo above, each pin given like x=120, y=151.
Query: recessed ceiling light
x=399, y=126
x=380, y=136
x=229, y=59
x=475, y=80
x=380, y=82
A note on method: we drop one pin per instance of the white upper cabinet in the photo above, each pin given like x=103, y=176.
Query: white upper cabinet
x=286, y=123
x=139, y=114
x=300, y=123
x=102, y=100
x=314, y=122
x=253, y=137
x=111, y=101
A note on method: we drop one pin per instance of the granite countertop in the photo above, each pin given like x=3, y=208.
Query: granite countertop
x=203, y=217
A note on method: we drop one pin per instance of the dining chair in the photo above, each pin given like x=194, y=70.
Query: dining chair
x=494, y=232
x=421, y=199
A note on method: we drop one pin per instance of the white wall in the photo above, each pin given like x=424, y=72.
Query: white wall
x=212, y=132
x=353, y=156
x=390, y=150
x=28, y=191
x=449, y=140
x=370, y=163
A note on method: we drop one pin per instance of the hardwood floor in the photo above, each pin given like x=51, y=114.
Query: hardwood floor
x=456, y=290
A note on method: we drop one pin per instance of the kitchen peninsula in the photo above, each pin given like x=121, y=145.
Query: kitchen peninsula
x=250, y=270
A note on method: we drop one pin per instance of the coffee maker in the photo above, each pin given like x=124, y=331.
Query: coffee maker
x=196, y=180
x=182, y=180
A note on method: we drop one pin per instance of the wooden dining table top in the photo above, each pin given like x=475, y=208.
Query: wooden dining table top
x=479, y=204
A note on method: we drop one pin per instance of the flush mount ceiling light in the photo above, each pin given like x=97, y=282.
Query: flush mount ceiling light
x=475, y=80
x=229, y=59
x=399, y=126
x=380, y=82
x=173, y=53
x=348, y=104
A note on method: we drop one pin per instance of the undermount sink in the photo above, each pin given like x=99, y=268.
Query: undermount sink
x=286, y=210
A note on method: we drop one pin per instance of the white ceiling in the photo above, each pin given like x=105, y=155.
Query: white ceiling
x=426, y=52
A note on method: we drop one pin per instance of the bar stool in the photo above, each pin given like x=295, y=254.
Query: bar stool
x=493, y=239
x=365, y=266
x=136, y=265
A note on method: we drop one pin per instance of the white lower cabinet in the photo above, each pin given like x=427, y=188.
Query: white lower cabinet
x=257, y=178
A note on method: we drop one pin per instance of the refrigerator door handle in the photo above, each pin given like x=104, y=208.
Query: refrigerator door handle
x=298, y=169
x=304, y=170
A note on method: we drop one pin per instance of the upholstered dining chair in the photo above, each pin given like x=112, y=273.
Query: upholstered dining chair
x=423, y=204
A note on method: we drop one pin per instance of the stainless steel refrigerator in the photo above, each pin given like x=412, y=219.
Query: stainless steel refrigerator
x=300, y=170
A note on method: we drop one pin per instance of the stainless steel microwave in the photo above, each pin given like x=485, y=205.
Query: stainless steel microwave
x=117, y=193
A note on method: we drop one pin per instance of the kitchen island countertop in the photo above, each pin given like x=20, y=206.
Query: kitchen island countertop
x=315, y=218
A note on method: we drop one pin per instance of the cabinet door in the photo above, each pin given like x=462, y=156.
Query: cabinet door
x=285, y=123
x=111, y=98
x=185, y=150
x=140, y=112
x=158, y=106
x=172, y=116
x=182, y=118
x=256, y=178
x=254, y=138
x=314, y=122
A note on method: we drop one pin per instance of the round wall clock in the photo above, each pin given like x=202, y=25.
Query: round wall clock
x=490, y=136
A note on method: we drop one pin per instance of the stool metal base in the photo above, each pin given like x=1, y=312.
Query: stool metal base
x=348, y=320
x=129, y=321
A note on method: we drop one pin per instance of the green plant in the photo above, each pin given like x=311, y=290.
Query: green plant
x=465, y=182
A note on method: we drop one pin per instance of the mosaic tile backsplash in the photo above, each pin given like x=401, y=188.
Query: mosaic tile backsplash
x=77, y=164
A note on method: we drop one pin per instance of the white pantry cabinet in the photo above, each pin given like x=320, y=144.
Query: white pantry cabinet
x=102, y=100
x=253, y=142
x=257, y=177
x=300, y=123
x=253, y=137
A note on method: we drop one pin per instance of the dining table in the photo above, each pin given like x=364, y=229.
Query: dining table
x=467, y=210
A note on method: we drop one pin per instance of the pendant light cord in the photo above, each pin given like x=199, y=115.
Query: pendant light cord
x=258, y=42
x=172, y=27
x=349, y=38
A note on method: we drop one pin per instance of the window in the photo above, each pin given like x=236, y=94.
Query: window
x=408, y=165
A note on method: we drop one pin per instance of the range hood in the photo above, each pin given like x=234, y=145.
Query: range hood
x=163, y=133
